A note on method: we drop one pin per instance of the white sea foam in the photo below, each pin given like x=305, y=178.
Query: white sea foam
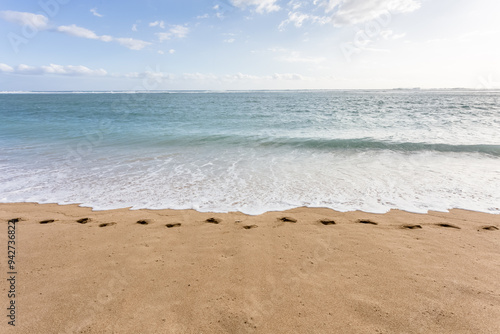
x=254, y=183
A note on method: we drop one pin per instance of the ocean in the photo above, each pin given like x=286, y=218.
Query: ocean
x=253, y=151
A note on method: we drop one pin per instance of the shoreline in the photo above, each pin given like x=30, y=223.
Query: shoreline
x=130, y=208
x=294, y=271
x=347, y=216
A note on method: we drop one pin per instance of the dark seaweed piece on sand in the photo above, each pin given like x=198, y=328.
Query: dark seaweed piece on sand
x=107, y=224
x=83, y=220
x=367, y=221
x=411, y=226
x=14, y=220
x=288, y=219
x=173, y=225
x=213, y=220
x=143, y=222
x=247, y=227
x=448, y=225
x=47, y=221
x=327, y=222
x=490, y=228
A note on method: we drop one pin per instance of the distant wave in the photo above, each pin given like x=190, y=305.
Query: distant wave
x=370, y=144
x=330, y=144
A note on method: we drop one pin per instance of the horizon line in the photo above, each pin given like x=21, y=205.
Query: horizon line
x=245, y=90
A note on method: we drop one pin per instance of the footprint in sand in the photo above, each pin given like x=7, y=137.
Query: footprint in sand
x=107, y=224
x=47, y=221
x=288, y=220
x=213, y=220
x=83, y=220
x=447, y=225
x=490, y=228
x=367, y=221
x=173, y=225
x=411, y=226
x=327, y=222
x=143, y=222
x=247, y=227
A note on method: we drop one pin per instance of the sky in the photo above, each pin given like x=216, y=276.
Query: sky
x=48, y=45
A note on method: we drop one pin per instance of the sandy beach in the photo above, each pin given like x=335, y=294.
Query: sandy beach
x=304, y=270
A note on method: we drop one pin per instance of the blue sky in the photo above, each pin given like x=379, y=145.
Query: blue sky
x=248, y=44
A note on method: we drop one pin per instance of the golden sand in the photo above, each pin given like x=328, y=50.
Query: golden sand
x=304, y=270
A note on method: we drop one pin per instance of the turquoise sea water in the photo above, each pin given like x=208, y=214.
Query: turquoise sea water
x=253, y=151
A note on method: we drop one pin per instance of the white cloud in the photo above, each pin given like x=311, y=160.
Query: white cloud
x=150, y=75
x=129, y=75
x=6, y=68
x=196, y=76
x=23, y=18
x=298, y=19
x=176, y=31
x=157, y=76
x=263, y=6
x=74, y=30
x=41, y=22
x=199, y=76
x=134, y=27
x=106, y=38
x=26, y=69
x=218, y=12
x=295, y=4
x=132, y=44
x=70, y=70
x=95, y=13
x=160, y=24
x=287, y=76
x=204, y=16
x=77, y=31
x=329, y=5
x=171, y=51
x=349, y=12
x=229, y=40
x=163, y=36
x=179, y=31
x=240, y=76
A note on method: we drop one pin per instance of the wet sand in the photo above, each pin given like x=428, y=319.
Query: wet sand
x=304, y=270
